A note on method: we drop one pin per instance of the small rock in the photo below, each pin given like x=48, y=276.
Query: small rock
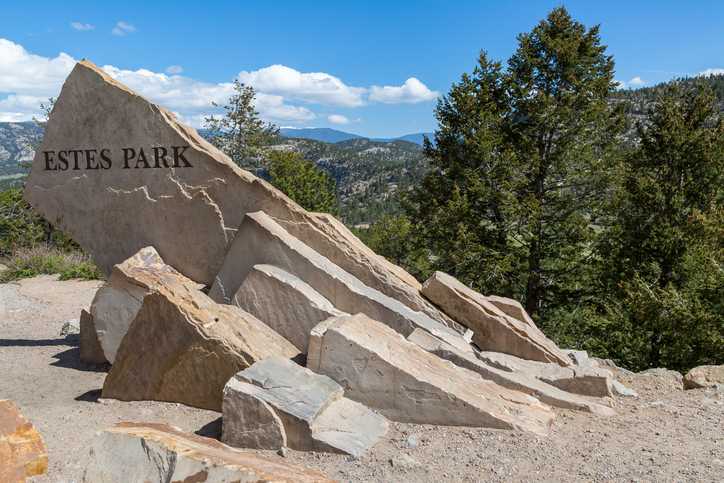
x=606, y=401
x=411, y=441
x=654, y=404
x=622, y=390
x=704, y=376
x=403, y=460
x=282, y=452
x=70, y=327
x=576, y=356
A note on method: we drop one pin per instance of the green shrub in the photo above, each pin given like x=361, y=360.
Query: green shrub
x=46, y=260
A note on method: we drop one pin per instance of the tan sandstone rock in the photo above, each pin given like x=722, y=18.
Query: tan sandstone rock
x=145, y=179
x=22, y=451
x=516, y=381
x=90, y=347
x=285, y=303
x=261, y=240
x=382, y=370
x=493, y=329
x=183, y=347
x=158, y=453
x=116, y=303
x=584, y=380
x=277, y=403
x=704, y=376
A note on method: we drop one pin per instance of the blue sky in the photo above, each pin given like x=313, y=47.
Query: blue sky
x=372, y=68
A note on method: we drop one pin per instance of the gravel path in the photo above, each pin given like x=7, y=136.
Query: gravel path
x=664, y=434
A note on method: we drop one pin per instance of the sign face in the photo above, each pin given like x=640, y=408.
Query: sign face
x=128, y=158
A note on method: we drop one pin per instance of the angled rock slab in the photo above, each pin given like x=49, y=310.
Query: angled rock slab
x=704, y=376
x=117, y=172
x=285, y=303
x=261, y=240
x=90, y=347
x=158, y=453
x=516, y=381
x=583, y=380
x=22, y=450
x=405, y=383
x=116, y=303
x=183, y=347
x=493, y=329
x=276, y=401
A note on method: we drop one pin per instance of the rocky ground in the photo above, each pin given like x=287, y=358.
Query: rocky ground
x=664, y=434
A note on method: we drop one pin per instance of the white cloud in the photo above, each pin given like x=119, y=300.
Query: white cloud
x=80, y=26
x=122, y=28
x=21, y=108
x=27, y=74
x=314, y=87
x=339, y=119
x=635, y=82
x=174, y=69
x=710, y=71
x=412, y=92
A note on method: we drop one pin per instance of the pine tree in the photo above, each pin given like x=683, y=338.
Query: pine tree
x=302, y=181
x=522, y=161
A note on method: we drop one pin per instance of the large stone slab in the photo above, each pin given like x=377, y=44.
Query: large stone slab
x=158, y=453
x=261, y=240
x=584, y=380
x=516, y=381
x=276, y=402
x=117, y=173
x=117, y=302
x=183, y=347
x=22, y=451
x=493, y=329
x=405, y=383
x=285, y=303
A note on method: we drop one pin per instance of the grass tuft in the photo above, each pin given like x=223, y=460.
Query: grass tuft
x=44, y=260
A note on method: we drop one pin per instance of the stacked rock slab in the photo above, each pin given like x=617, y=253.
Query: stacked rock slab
x=261, y=240
x=493, y=329
x=584, y=380
x=183, y=347
x=403, y=382
x=22, y=451
x=116, y=303
x=285, y=303
x=517, y=381
x=277, y=403
x=145, y=179
x=158, y=453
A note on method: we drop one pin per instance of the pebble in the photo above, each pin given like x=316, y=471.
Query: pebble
x=403, y=460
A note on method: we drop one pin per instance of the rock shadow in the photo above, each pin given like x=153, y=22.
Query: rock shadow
x=70, y=359
x=90, y=396
x=211, y=430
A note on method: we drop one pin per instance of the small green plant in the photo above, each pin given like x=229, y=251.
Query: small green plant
x=45, y=260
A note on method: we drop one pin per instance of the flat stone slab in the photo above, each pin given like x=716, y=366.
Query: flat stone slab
x=405, y=383
x=493, y=329
x=261, y=240
x=583, y=380
x=158, y=453
x=277, y=403
x=183, y=347
x=285, y=303
x=516, y=381
x=22, y=450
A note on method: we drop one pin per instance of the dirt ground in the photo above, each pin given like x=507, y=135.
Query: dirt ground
x=664, y=434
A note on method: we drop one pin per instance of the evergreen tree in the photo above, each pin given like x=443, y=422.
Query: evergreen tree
x=302, y=181
x=662, y=260
x=522, y=161
x=240, y=134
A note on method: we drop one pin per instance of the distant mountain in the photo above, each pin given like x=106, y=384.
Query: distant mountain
x=333, y=136
x=321, y=134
